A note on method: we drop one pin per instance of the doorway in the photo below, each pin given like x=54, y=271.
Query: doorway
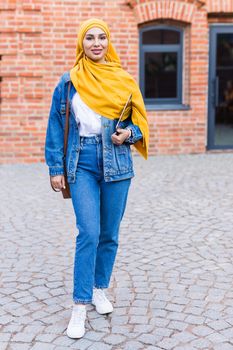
x=220, y=109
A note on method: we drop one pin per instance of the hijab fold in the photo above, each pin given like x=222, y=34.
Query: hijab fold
x=105, y=87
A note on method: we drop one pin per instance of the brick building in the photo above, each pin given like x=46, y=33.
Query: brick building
x=180, y=51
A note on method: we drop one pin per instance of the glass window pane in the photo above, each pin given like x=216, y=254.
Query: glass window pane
x=160, y=75
x=225, y=49
x=160, y=36
x=223, y=135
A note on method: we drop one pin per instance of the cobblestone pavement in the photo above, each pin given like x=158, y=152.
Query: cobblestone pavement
x=172, y=284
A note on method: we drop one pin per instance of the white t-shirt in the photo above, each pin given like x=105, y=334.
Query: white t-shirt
x=89, y=122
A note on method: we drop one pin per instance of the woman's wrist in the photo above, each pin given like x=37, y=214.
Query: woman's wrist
x=130, y=133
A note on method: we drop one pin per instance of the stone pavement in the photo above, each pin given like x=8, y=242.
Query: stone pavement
x=172, y=284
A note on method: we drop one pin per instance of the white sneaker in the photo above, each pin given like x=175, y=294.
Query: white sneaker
x=102, y=304
x=76, y=326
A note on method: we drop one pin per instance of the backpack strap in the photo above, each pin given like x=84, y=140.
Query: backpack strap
x=67, y=119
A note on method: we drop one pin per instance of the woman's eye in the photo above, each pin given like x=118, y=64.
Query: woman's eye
x=89, y=38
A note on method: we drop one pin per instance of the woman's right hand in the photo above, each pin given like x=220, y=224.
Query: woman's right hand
x=58, y=182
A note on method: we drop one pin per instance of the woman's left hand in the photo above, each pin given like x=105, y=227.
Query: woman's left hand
x=123, y=134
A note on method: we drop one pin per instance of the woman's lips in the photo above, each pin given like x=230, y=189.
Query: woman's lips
x=96, y=52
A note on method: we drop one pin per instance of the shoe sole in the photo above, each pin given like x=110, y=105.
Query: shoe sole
x=104, y=313
x=74, y=337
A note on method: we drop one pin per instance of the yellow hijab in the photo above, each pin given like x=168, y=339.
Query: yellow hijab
x=105, y=87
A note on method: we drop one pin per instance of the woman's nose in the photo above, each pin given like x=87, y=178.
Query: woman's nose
x=96, y=43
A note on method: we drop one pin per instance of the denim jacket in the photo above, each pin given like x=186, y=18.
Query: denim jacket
x=117, y=160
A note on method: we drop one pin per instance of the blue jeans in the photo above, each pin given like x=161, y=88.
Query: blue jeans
x=99, y=207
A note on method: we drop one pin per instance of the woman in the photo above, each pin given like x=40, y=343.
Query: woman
x=98, y=161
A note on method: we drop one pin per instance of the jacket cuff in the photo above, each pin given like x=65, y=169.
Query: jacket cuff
x=131, y=139
x=56, y=170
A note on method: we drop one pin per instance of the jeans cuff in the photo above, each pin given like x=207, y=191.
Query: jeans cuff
x=82, y=301
x=100, y=287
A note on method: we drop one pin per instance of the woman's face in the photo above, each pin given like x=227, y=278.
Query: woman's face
x=95, y=44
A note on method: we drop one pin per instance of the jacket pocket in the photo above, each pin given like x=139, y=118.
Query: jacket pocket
x=122, y=149
x=123, y=158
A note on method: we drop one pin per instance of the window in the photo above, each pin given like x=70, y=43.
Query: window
x=161, y=65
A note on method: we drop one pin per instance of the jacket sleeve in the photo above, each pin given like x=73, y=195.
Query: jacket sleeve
x=136, y=132
x=54, y=142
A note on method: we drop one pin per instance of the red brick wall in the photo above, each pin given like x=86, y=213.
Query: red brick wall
x=220, y=6
x=38, y=40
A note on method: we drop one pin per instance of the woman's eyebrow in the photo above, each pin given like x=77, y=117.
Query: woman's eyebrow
x=94, y=35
